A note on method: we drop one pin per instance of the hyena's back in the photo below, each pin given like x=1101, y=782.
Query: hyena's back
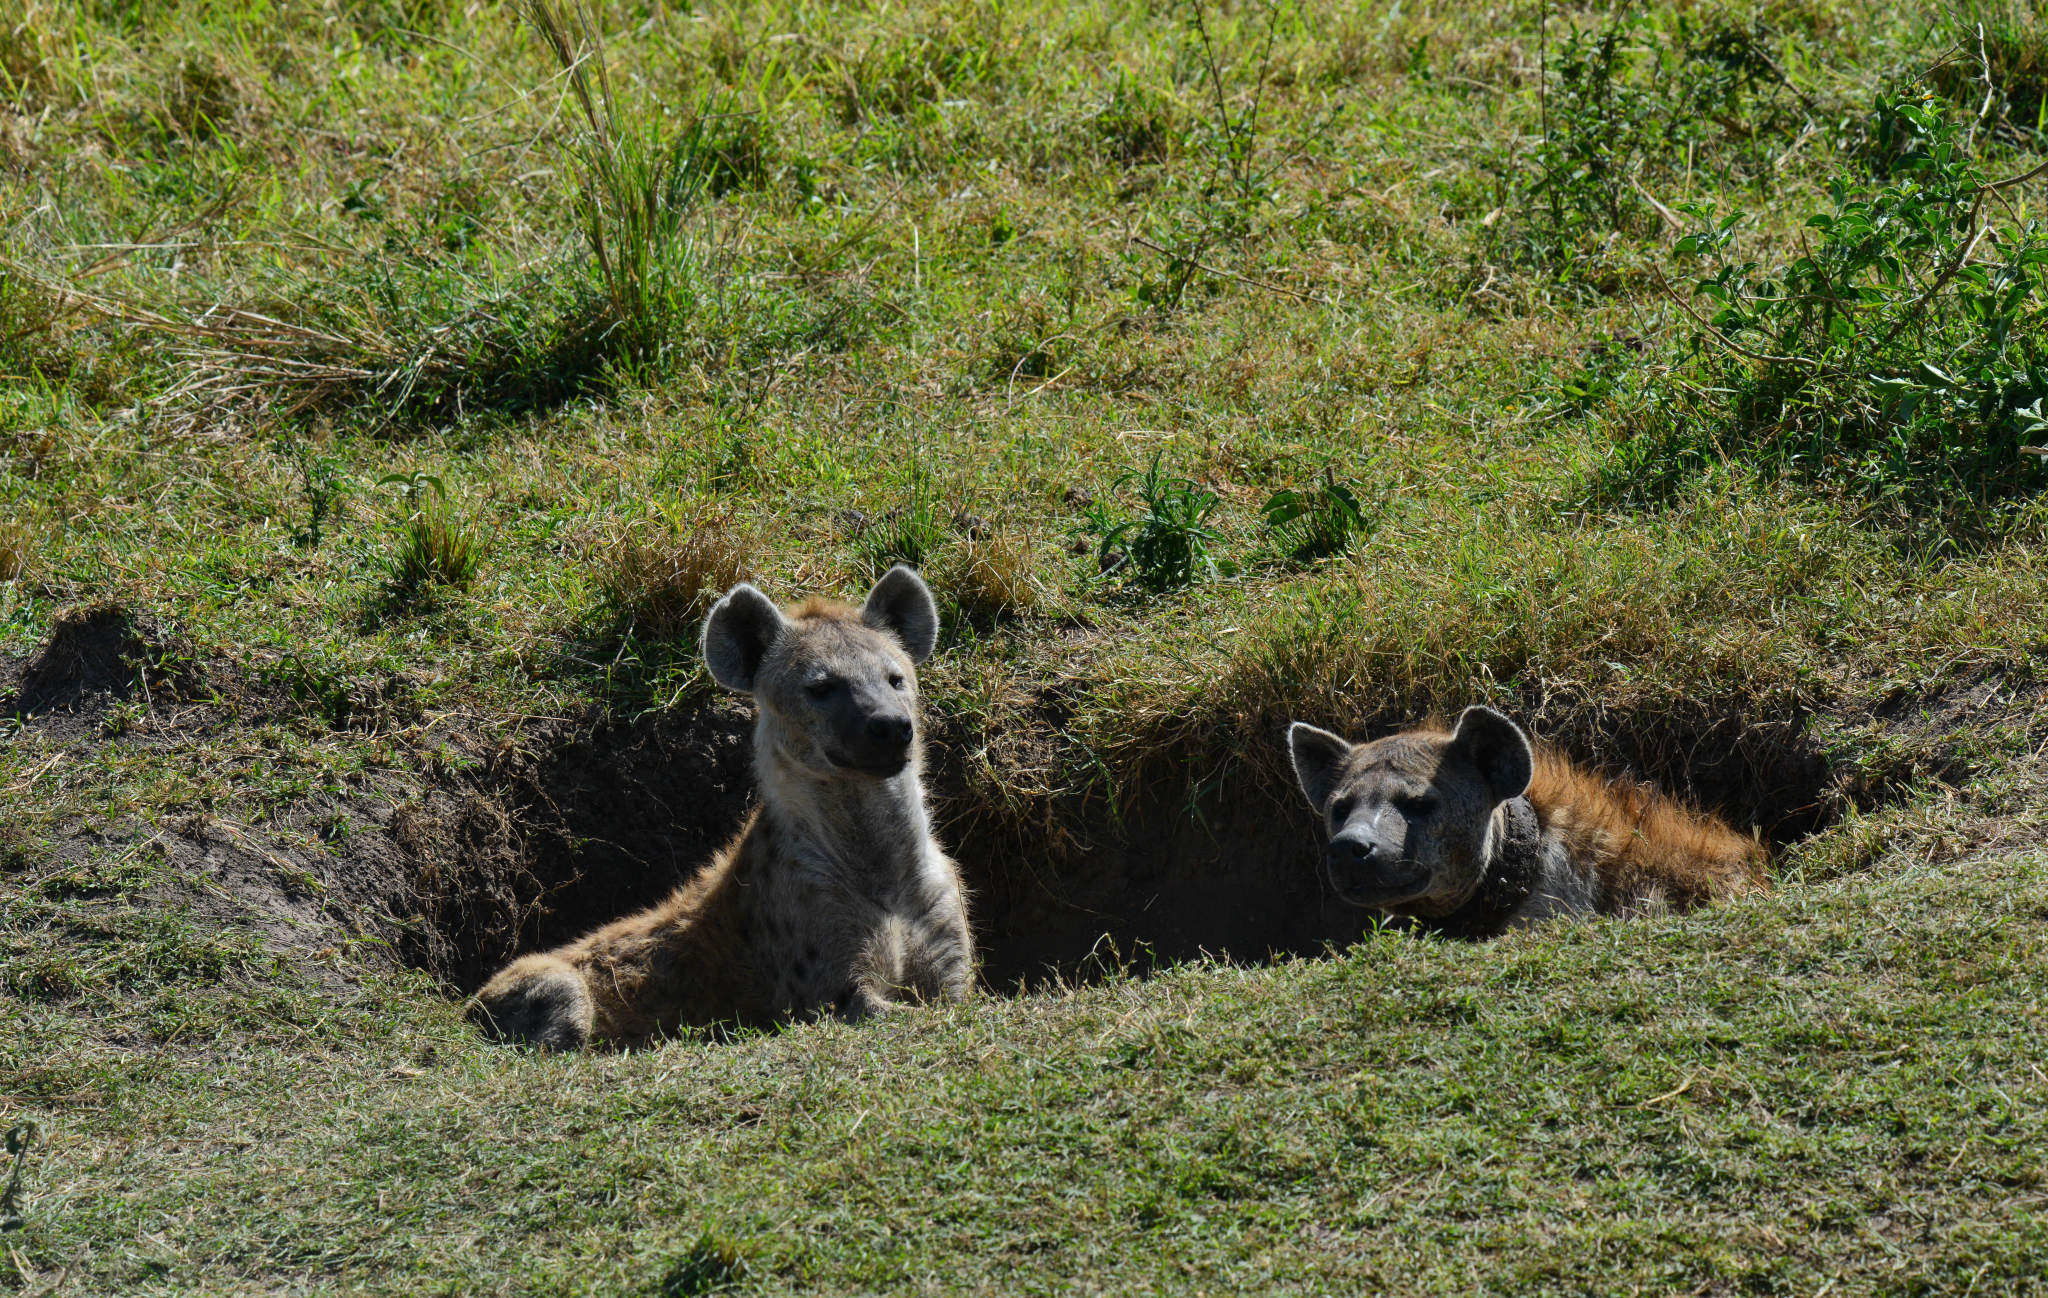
x=1645, y=848
x=675, y=965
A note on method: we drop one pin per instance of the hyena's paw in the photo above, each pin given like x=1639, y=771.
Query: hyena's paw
x=536, y=1001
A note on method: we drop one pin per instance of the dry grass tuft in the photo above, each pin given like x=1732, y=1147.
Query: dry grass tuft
x=994, y=577
x=665, y=578
x=17, y=543
x=201, y=102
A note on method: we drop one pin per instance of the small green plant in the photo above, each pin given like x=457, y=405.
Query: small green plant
x=1316, y=522
x=637, y=191
x=312, y=684
x=1167, y=546
x=1640, y=99
x=322, y=481
x=911, y=533
x=711, y=1265
x=1223, y=205
x=437, y=546
x=1136, y=125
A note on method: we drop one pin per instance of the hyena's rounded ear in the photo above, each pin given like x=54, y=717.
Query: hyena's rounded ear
x=1319, y=758
x=902, y=605
x=1498, y=749
x=738, y=634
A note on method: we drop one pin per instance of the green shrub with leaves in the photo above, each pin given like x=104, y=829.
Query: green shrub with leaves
x=1166, y=546
x=1310, y=523
x=1900, y=353
x=1645, y=97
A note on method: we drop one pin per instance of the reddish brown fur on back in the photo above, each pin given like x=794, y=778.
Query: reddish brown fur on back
x=1648, y=849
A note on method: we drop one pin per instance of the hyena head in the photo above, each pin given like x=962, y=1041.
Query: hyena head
x=1410, y=816
x=837, y=686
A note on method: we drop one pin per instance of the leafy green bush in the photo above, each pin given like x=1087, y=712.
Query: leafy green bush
x=1167, y=546
x=1642, y=98
x=1900, y=353
x=1316, y=522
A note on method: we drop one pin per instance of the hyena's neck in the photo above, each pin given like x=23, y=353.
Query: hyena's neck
x=1516, y=867
x=871, y=832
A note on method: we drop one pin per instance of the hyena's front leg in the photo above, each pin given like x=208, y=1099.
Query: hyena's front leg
x=943, y=955
x=939, y=957
x=861, y=999
x=540, y=1000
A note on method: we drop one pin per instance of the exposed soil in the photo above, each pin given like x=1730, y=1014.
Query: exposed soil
x=539, y=830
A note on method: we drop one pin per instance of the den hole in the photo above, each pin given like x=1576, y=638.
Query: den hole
x=545, y=831
x=580, y=828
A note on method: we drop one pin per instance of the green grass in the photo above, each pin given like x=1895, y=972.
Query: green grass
x=929, y=283
x=1844, y=1083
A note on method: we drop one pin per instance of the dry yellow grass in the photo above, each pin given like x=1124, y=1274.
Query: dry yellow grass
x=17, y=542
x=666, y=577
x=994, y=576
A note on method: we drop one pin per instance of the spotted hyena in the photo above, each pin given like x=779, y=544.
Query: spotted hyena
x=1474, y=832
x=834, y=898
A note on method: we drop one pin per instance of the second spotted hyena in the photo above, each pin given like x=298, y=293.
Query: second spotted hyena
x=835, y=897
x=1475, y=832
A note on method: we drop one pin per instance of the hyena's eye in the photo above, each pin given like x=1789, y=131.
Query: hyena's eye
x=1340, y=810
x=1416, y=808
x=821, y=690
x=896, y=680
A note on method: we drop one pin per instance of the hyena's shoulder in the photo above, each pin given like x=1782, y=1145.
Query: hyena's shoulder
x=1640, y=848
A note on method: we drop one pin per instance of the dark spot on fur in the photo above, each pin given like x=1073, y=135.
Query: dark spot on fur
x=810, y=950
x=798, y=969
x=845, y=998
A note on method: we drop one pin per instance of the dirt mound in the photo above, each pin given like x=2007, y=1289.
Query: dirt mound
x=99, y=654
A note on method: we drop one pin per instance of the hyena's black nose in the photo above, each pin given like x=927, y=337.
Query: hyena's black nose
x=1351, y=849
x=890, y=732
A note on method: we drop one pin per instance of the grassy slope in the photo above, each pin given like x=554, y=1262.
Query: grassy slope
x=1844, y=1081
x=1843, y=1084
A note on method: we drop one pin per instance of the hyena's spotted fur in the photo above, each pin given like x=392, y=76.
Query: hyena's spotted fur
x=834, y=898
x=1474, y=832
